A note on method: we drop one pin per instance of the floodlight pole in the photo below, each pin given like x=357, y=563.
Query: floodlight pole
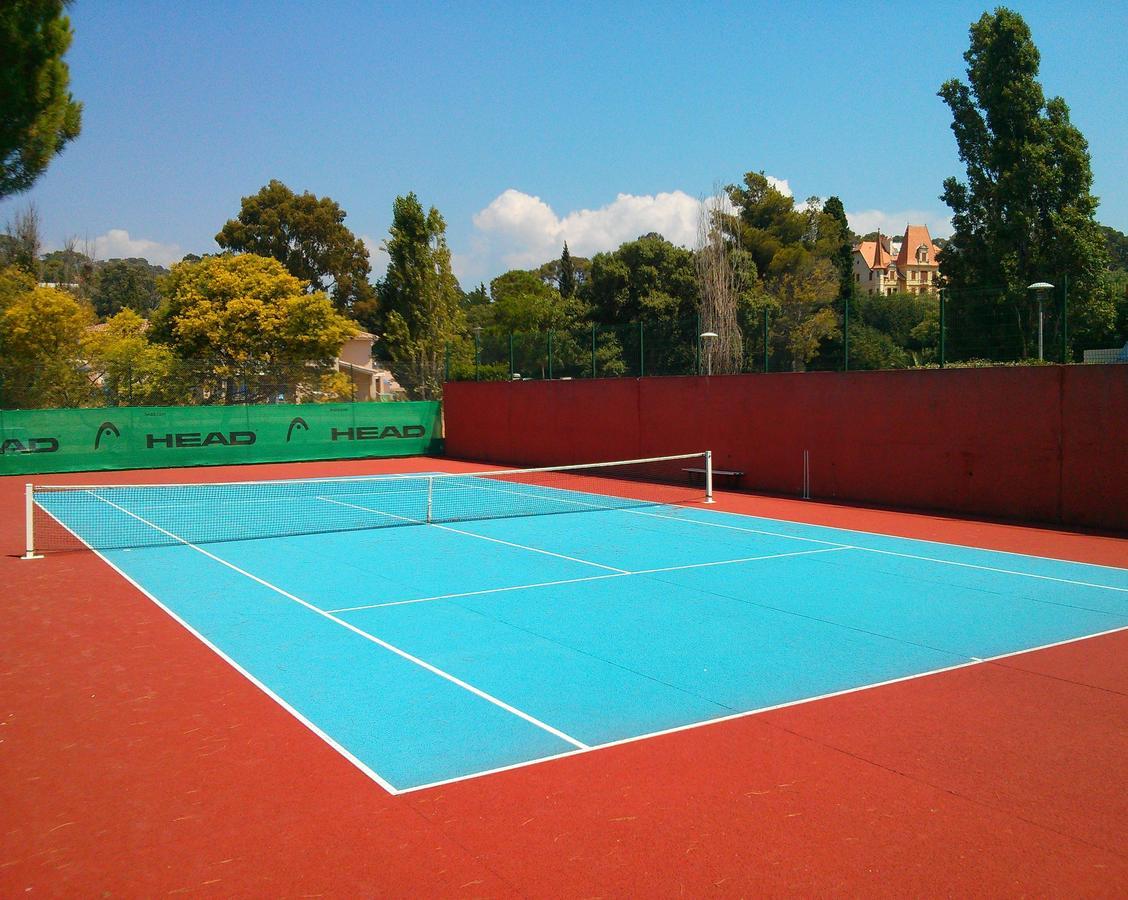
x=709, y=337
x=1040, y=288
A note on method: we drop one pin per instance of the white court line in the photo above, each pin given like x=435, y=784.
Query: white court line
x=754, y=712
x=501, y=590
x=393, y=790
x=948, y=562
x=522, y=587
x=453, y=679
x=639, y=512
x=878, y=534
x=932, y=559
x=839, y=544
x=308, y=723
x=482, y=537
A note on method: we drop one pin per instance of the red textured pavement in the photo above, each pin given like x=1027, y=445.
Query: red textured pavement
x=135, y=762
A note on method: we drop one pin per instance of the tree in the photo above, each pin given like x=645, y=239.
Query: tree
x=794, y=252
x=522, y=302
x=130, y=369
x=41, y=334
x=566, y=283
x=67, y=266
x=650, y=283
x=1117, y=244
x=1024, y=213
x=38, y=115
x=645, y=279
x=840, y=244
x=251, y=322
x=308, y=236
x=805, y=315
x=23, y=244
x=555, y=272
x=721, y=283
x=420, y=297
x=125, y=284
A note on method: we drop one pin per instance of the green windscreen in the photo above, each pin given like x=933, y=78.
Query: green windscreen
x=73, y=440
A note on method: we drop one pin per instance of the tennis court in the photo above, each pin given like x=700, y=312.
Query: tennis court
x=438, y=627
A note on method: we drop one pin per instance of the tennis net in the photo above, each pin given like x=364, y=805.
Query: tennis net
x=104, y=517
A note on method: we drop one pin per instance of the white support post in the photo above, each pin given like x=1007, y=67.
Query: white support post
x=29, y=523
x=708, y=476
x=430, y=494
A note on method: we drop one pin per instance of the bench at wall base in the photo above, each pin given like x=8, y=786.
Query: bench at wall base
x=731, y=474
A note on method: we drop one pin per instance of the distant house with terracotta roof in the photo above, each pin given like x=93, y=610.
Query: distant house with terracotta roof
x=913, y=270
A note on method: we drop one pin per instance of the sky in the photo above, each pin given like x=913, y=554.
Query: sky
x=529, y=124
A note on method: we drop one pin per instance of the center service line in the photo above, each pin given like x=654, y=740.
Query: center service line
x=540, y=584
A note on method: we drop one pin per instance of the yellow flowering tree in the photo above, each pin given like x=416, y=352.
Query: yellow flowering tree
x=252, y=331
x=41, y=355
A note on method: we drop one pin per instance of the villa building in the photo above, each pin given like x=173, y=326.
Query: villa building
x=371, y=381
x=913, y=269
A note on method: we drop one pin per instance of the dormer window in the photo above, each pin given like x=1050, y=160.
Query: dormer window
x=922, y=254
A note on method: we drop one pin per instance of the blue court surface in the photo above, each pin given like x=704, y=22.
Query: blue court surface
x=440, y=651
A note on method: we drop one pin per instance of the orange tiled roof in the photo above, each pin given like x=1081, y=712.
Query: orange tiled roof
x=916, y=236
x=875, y=254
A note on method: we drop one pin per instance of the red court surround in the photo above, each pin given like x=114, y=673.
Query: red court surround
x=135, y=762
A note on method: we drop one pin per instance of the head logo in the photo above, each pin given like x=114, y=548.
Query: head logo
x=296, y=423
x=104, y=429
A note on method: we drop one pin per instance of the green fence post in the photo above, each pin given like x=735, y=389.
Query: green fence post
x=766, y=338
x=846, y=333
x=593, y=350
x=641, y=347
x=511, y=356
x=1064, y=319
x=940, y=294
x=550, y=355
x=697, y=351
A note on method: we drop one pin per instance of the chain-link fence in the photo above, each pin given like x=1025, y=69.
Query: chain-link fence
x=989, y=326
x=167, y=381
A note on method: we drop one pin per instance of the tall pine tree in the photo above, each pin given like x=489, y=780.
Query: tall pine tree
x=1025, y=212
x=420, y=298
x=566, y=283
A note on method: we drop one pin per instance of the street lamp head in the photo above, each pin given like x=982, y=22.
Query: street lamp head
x=1040, y=286
x=709, y=334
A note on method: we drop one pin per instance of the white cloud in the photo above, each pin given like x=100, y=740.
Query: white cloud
x=519, y=230
x=893, y=223
x=117, y=244
x=377, y=256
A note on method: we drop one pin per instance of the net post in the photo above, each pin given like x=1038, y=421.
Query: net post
x=29, y=523
x=430, y=495
x=708, y=476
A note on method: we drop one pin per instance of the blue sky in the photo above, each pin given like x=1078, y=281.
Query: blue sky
x=527, y=124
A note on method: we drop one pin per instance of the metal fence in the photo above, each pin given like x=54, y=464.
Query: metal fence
x=70, y=384
x=990, y=326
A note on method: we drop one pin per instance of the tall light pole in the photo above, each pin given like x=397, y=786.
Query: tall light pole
x=1040, y=289
x=709, y=337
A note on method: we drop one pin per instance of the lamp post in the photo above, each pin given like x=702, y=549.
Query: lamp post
x=709, y=337
x=1040, y=289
